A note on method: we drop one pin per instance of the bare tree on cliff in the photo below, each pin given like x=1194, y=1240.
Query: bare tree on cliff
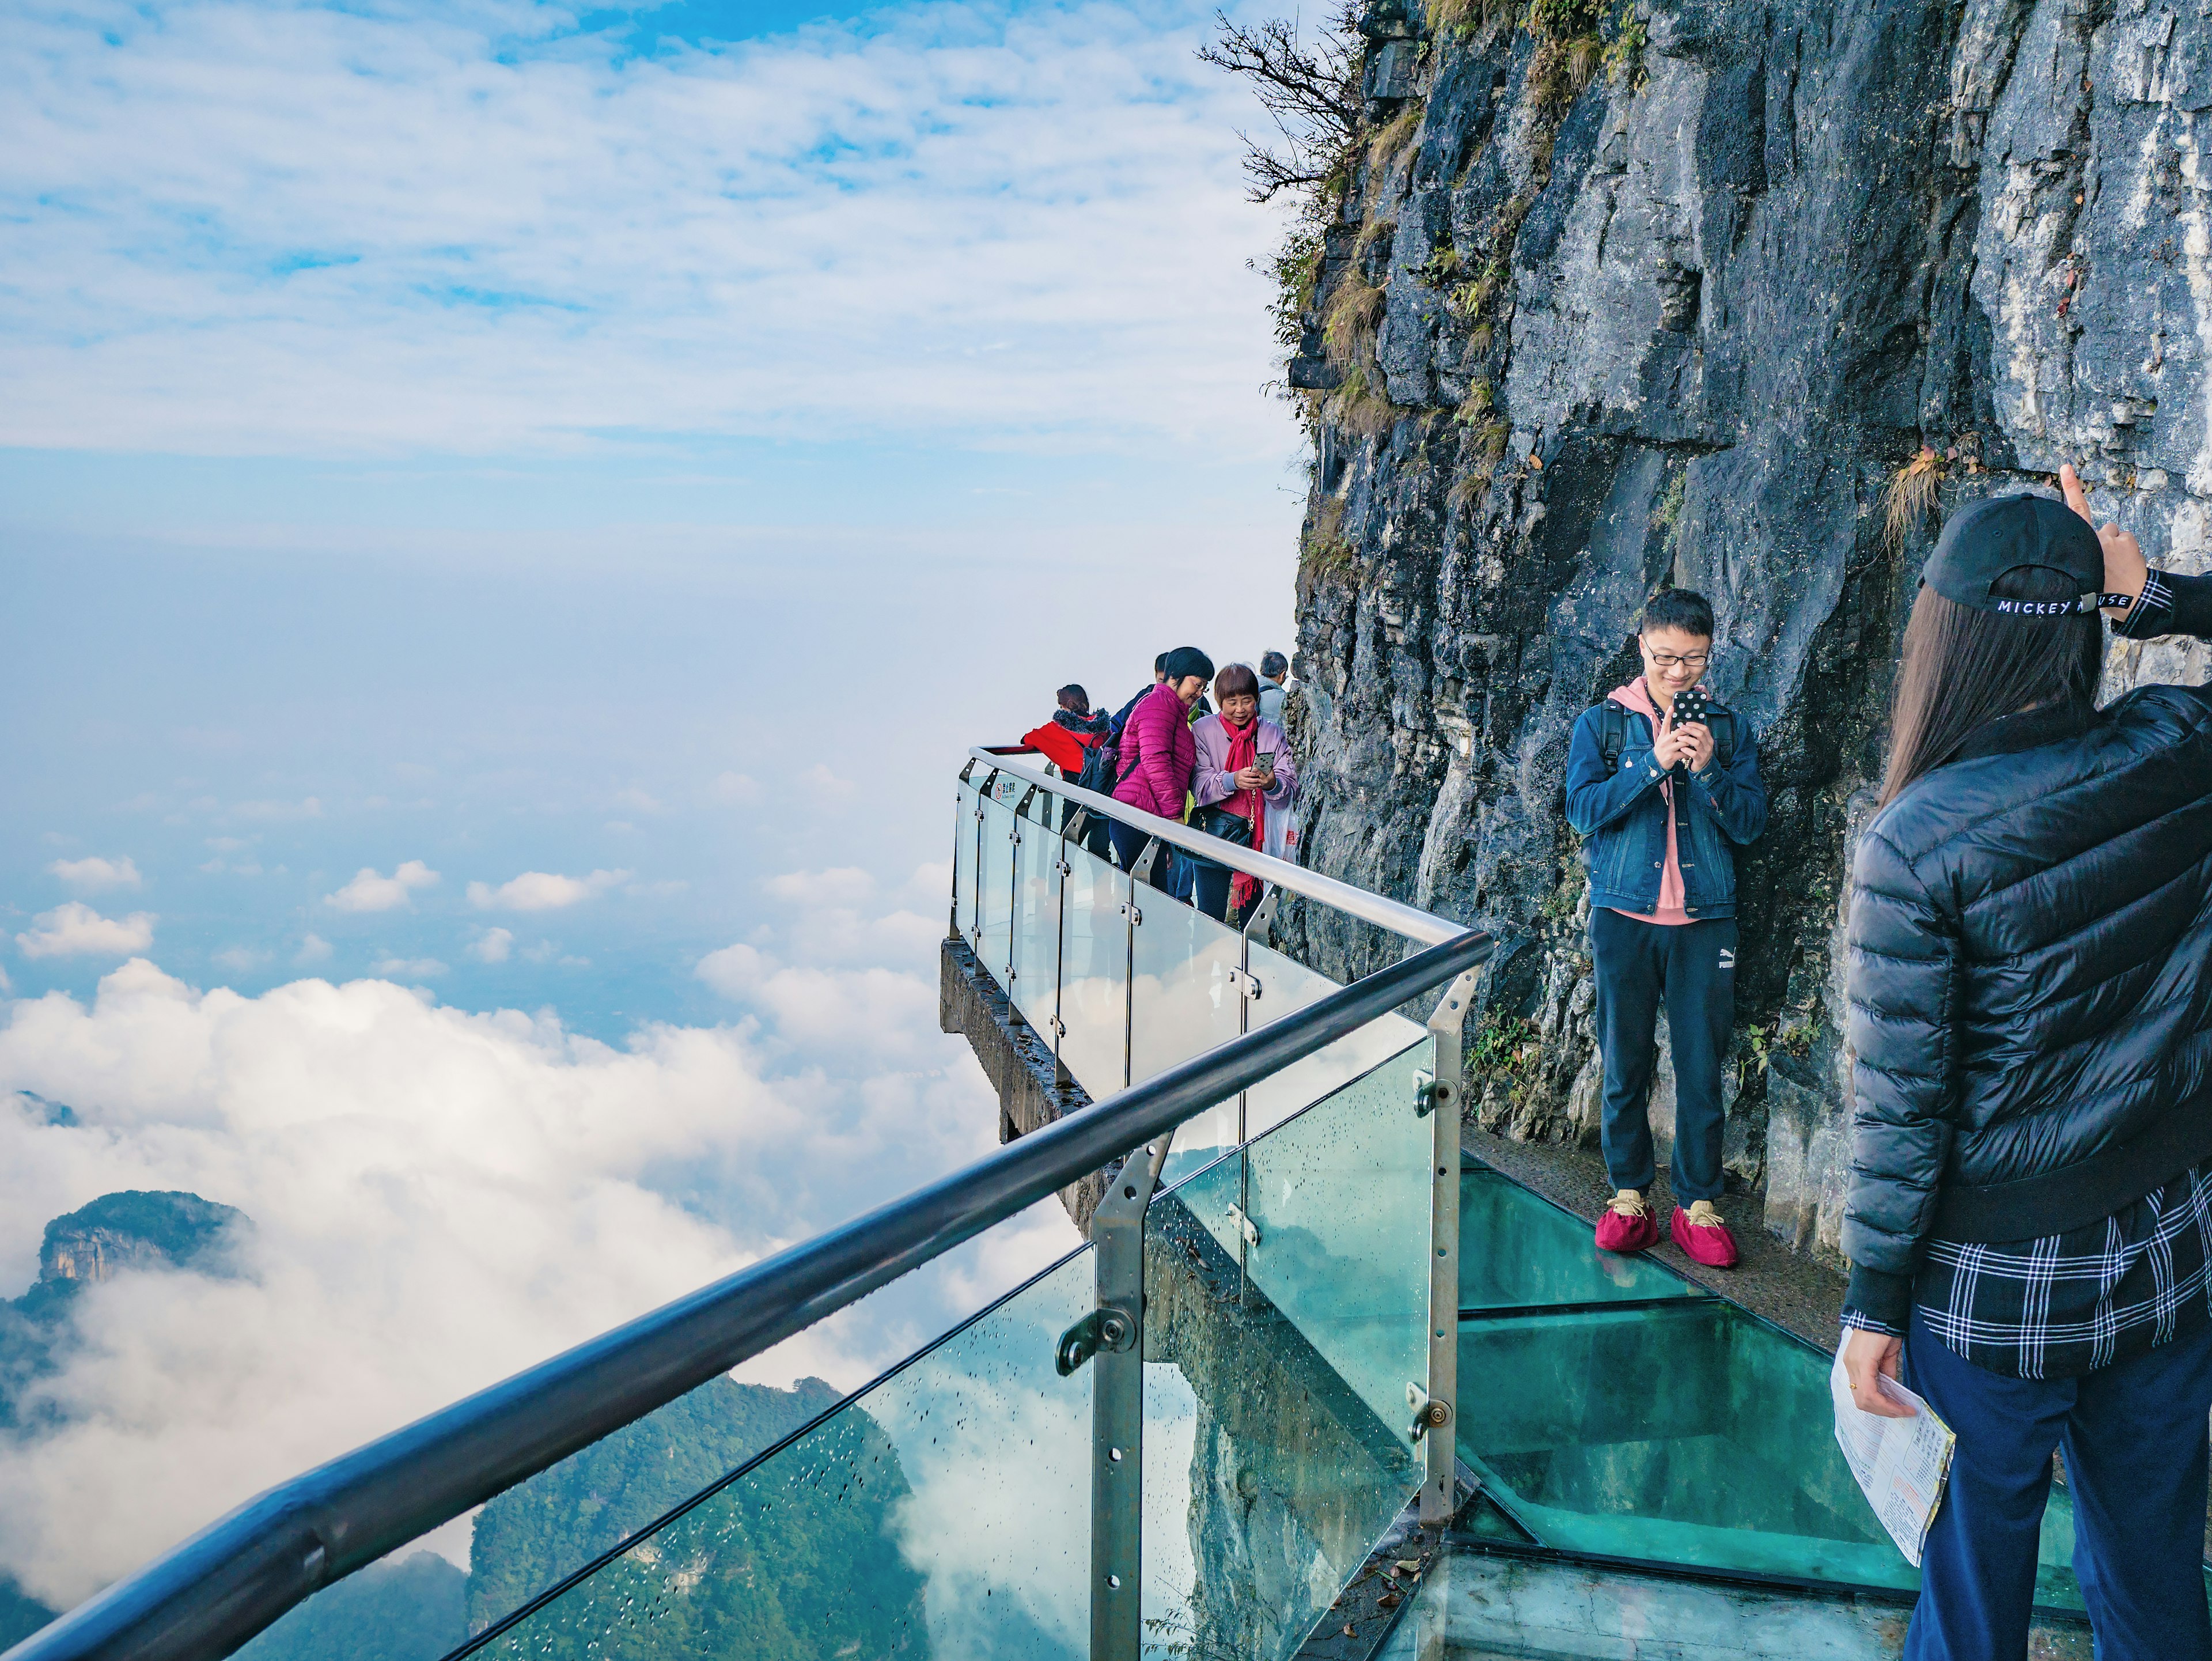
x=1310, y=92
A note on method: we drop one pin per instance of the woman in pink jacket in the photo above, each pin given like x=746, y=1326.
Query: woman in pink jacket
x=1159, y=755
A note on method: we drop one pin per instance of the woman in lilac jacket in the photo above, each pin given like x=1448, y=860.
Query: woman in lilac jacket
x=1244, y=769
x=1157, y=753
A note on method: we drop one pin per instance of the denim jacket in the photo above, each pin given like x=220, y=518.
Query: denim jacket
x=1623, y=818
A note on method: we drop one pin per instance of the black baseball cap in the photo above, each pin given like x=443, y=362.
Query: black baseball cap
x=1981, y=544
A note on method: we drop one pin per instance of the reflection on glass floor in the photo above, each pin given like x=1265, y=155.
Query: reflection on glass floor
x=1475, y=1607
x=1612, y=1408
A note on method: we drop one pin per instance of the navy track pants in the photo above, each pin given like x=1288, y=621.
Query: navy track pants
x=1692, y=966
x=2134, y=1437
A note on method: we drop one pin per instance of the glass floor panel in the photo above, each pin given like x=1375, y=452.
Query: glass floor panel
x=1614, y=1408
x=1516, y=1249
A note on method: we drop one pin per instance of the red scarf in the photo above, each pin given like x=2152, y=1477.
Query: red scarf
x=1244, y=752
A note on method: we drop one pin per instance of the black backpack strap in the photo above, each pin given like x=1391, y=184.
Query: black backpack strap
x=1612, y=734
x=1721, y=722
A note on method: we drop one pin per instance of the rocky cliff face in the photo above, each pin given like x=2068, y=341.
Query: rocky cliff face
x=1742, y=296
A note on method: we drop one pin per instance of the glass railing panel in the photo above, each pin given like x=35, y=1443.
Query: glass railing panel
x=994, y=893
x=964, y=863
x=415, y=1605
x=1340, y=1195
x=1285, y=988
x=1094, y=972
x=1035, y=923
x=1183, y=1002
x=1337, y=1197
x=943, y=1512
x=1516, y=1249
x=1276, y=1451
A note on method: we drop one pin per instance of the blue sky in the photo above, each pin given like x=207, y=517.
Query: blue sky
x=478, y=423
x=509, y=520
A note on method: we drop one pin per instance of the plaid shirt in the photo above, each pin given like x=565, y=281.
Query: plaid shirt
x=2067, y=1304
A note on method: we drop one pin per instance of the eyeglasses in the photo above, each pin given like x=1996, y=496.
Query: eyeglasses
x=1668, y=660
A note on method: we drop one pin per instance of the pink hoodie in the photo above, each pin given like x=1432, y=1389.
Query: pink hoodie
x=1634, y=697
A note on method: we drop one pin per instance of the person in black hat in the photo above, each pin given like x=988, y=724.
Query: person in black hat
x=2029, y=1219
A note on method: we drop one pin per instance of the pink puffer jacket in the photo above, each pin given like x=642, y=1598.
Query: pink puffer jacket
x=1159, y=755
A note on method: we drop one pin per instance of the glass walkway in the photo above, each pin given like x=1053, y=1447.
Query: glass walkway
x=1315, y=1389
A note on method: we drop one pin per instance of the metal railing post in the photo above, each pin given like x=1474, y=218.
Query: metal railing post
x=1248, y=991
x=1117, y=1410
x=960, y=804
x=1446, y=1092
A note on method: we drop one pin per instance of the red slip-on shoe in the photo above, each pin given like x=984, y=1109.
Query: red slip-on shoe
x=1628, y=1224
x=1703, y=1238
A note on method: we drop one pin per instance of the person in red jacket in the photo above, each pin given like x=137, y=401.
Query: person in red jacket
x=1068, y=740
x=1159, y=755
x=1073, y=731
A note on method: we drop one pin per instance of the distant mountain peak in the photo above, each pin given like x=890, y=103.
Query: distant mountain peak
x=139, y=1229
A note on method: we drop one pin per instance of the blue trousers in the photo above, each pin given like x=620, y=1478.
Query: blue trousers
x=1692, y=966
x=2134, y=1436
x=1128, y=843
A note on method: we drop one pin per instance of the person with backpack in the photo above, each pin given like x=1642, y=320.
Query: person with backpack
x=2029, y=1216
x=1157, y=753
x=1663, y=784
x=1073, y=732
x=1075, y=741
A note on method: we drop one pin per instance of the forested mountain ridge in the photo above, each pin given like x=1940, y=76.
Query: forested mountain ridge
x=790, y=1573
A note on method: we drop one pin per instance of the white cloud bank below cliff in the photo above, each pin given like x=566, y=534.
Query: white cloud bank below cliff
x=439, y=1198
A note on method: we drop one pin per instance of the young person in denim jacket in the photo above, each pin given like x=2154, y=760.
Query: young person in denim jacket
x=1663, y=805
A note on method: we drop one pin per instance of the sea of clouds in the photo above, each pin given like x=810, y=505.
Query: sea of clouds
x=441, y=1197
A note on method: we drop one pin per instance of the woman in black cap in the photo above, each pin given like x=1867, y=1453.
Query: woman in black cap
x=2030, y=1215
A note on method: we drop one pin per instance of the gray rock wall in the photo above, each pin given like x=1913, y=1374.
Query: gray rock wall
x=1582, y=329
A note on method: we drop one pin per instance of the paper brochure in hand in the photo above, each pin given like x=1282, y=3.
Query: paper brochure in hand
x=1900, y=1464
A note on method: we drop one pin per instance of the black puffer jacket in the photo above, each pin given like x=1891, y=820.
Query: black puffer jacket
x=2031, y=983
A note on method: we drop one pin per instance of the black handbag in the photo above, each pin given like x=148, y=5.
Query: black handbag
x=1220, y=821
x=1233, y=827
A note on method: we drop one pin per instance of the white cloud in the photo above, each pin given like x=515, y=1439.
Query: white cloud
x=930, y=883
x=92, y=874
x=439, y=1198
x=492, y=945
x=844, y=885
x=409, y=968
x=241, y=958
x=368, y=891
x=826, y=789
x=738, y=789
x=543, y=891
x=75, y=929
x=313, y=949
x=245, y=228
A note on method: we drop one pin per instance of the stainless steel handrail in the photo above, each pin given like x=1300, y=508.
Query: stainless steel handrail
x=1400, y=918
x=203, y=1598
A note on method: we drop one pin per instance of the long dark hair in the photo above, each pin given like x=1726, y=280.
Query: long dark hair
x=1964, y=668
